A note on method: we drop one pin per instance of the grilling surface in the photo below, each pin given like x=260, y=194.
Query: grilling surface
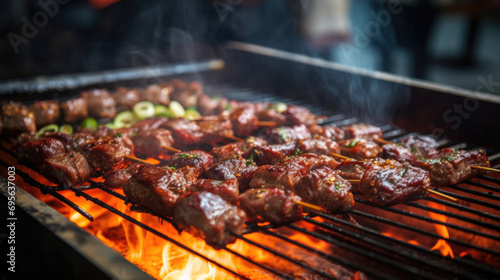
x=366, y=248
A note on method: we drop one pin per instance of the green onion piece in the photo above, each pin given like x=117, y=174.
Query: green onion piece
x=352, y=143
x=176, y=109
x=228, y=107
x=163, y=111
x=48, y=128
x=280, y=107
x=250, y=160
x=110, y=125
x=143, y=110
x=66, y=128
x=404, y=171
x=124, y=119
x=89, y=123
x=192, y=114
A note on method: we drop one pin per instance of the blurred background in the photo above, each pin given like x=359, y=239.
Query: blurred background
x=451, y=42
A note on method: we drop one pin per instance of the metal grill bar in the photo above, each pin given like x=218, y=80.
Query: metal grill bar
x=463, y=208
x=152, y=230
x=408, y=254
x=427, y=219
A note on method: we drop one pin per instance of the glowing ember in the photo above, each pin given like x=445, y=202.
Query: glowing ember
x=442, y=230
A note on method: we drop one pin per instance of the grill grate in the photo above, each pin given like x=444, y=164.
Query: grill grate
x=376, y=250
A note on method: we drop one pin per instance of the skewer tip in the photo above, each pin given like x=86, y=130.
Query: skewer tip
x=485, y=168
x=309, y=205
x=442, y=195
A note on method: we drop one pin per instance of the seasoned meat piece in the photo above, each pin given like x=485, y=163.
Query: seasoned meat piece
x=184, y=132
x=157, y=94
x=66, y=169
x=355, y=169
x=296, y=115
x=152, y=123
x=35, y=151
x=420, y=145
x=238, y=168
x=318, y=146
x=151, y=143
x=107, y=153
x=214, y=129
x=187, y=95
x=16, y=119
x=359, y=148
x=235, y=150
x=198, y=159
x=208, y=106
x=389, y=186
x=285, y=134
x=329, y=132
x=449, y=167
x=100, y=104
x=324, y=187
x=126, y=98
x=275, y=176
x=209, y=217
x=271, y=205
x=74, y=110
x=117, y=178
x=244, y=121
x=364, y=131
x=227, y=189
x=156, y=188
x=46, y=112
x=270, y=114
x=398, y=152
x=270, y=154
x=225, y=152
x=288, y=172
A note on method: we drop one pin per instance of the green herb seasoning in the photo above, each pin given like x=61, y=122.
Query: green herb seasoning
x=250, y=160
x=352, y=143
x=404, y=171
x=187, y=156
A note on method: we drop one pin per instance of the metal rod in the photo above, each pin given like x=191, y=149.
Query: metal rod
x=152, y=230
x=463, y=208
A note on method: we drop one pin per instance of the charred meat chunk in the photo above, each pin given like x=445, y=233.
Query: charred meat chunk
x=16, y=119
x=286, y=134
x=126, y=98
x=74, y=110
x=184, y=132
x=288, y=172
x=100, y=104
x=296, y=115
x=157, y=188
x=359, y=148
x=214, y=129
x=355, y=169
x=66, y=169
x=271, y=205
x=117, y=178
x=330, y=132
x=244, y=120
x=270, y=154
x=449, y=167
x=227, y=189
x=198, y=159
x=157, y=94
x=208, y=106
x=210, y=217
x=108, y=152
x=152, y=143
x=389, y=186
x=400, y=153
x=270, y=114
x=420, y=145
x=364, y=131
x=235, y=150
x=46, y=112
x=186, y=94
x=318, y=146
x=324, y=187
x=35, y=151
x=227, y=169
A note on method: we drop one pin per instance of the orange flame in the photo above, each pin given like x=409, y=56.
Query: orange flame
x=442, y=230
